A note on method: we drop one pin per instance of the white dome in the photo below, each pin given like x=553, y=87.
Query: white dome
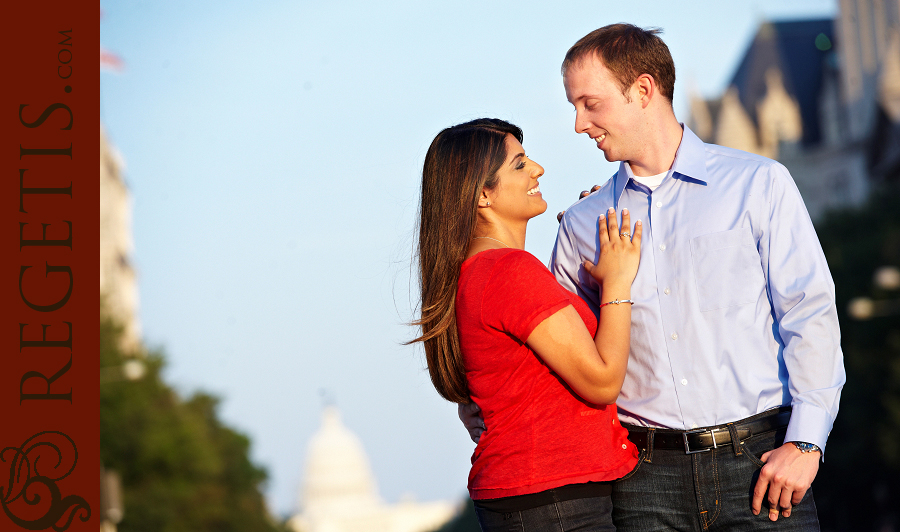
x=339, y=493
x=338, y=477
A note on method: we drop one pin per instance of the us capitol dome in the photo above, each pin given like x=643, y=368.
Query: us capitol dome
x=339, y=493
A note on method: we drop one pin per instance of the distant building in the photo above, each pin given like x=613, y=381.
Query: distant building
x=118, y=292
x=339, y=492
x=118, y=283
x=820, y=96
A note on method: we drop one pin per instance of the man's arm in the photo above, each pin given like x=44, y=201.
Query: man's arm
x=801, y=293
x=564, y=259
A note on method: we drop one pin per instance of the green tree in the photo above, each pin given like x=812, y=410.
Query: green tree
x=181, y=468
x=465, y=521
x=858, y=486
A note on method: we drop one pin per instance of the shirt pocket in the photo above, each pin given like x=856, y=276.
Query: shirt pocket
x=726, y=269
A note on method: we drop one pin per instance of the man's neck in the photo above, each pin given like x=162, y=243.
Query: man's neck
x=659, y=151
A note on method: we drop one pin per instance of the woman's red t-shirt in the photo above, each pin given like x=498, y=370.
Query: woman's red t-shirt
x=540, y=435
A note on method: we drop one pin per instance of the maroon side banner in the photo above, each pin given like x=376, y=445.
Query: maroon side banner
x=49, y=274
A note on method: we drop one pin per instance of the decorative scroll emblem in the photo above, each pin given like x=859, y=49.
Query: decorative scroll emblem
x=31, y=498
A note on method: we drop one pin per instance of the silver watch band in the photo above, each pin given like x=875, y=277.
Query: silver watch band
x=805, y=447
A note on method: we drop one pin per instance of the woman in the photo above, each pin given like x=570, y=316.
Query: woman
x=500, y=331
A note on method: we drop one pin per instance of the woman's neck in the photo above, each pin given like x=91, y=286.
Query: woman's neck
x=496, y=236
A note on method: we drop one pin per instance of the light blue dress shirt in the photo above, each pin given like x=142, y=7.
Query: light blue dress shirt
x=734, y=308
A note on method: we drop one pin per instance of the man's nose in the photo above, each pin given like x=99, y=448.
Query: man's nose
x=580, y=123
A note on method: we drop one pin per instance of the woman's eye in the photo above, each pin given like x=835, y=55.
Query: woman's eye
x=521, y=165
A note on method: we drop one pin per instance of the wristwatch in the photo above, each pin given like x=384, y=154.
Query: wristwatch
x=806, y=447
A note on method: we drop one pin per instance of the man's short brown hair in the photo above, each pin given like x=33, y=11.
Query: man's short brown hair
x=628, y=52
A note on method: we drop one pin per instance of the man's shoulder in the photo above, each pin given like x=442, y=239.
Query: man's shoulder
x=737, y=166
x=595, y=202
x=732, y=156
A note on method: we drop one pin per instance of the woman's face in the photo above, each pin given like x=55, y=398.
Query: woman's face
x=517, y=195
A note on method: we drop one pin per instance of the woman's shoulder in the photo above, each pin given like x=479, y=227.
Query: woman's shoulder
x=504, y=257
x=504, y=270
x=508, y=290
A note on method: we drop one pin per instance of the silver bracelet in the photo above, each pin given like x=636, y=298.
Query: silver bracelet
x=617, y=302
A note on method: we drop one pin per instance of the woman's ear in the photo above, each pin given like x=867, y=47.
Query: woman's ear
x=484, y=200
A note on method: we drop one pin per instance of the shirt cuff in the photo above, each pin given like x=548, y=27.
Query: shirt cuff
x=810, y=424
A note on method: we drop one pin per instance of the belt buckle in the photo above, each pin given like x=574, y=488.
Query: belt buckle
x=687, y=446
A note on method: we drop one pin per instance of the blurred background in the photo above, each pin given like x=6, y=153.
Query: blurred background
x=260, y=165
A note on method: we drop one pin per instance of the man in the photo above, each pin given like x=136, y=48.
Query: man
x=735, y=368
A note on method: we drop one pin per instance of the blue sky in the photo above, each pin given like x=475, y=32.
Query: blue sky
x=273, y=150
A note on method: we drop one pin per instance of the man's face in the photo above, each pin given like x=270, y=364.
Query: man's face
x=602, y=111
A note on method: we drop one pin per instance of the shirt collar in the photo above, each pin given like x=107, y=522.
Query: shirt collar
x=690, y=162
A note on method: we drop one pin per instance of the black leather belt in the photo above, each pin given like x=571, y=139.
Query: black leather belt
x=706, y=438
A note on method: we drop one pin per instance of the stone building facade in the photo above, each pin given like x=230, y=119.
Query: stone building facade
x=118, y=281
x=820, y=96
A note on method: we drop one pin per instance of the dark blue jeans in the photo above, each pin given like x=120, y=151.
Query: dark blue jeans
x=585, y=515
x=705, y=491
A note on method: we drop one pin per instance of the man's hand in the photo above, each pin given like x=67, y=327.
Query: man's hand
x=470, y=415
x=583, y=194
x=787, y=474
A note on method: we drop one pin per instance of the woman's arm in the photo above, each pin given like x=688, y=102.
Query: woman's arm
x=595, y=368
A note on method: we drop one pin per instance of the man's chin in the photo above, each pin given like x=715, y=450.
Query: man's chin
x=611, y=156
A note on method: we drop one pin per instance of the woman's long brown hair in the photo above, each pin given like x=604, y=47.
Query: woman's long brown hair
x=461, y=161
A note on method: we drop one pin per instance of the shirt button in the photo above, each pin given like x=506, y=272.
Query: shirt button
x=658, y=204
x=662, y=247
x=624, y=446
x=684, y=383
x=693, y=425
x=667, y=291
x=674, y=336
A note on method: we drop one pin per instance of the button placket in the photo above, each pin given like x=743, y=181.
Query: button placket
x=665, y=268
